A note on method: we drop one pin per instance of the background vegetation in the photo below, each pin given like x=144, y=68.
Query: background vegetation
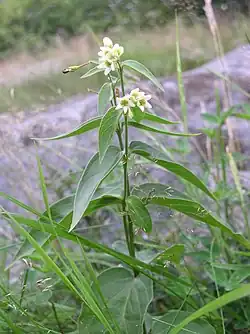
x=29, y=21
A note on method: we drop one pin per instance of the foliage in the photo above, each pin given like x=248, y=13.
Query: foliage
x=30, y=21
x=72, y=284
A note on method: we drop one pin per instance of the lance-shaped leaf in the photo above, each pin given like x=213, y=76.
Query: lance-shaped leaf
x=138, y=67
x=139, y=213
x=157, y=119
x=145, y=127
x=94, y=173
x=104, y=97
x=152, y=154
x=84, y=127
x=107, y=130
x=91, y=72
x=127, y=298
x=171, y=254
x=154, y=193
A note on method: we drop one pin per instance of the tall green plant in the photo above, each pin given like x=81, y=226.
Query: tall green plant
x=117, y=300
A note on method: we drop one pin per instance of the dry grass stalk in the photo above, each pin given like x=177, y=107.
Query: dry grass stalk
x=227, y=99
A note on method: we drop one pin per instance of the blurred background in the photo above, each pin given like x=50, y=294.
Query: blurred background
x=38, y=38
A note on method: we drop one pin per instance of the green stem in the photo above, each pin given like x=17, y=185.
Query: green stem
x=56, y=317
x=131, y=245
x=127, y=190
x=119, y=135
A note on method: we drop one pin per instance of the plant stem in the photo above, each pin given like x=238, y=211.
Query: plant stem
x=56, y=317
x=119, y=135
x=127, y=190
x=129, y=225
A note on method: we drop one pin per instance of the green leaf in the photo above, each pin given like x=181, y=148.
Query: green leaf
x=138, y=115
x=180, y=81
x=236, y=278
x=216, y=304
x=136, y=66
x=162, y=325
x=154, y=193
x=152, y=154
x=94, y=173
x=214, y=119
x=127, y=298
x=209, y=132
x=79, y=290
x=61, y=213
x=84, y=127
x=104, y=97
x=172, y=254
x=139, y=213
x=91, y=72
x=151, y=129
x=107, y=130
x=242, y=116
x=57, y=231
x=157, y=119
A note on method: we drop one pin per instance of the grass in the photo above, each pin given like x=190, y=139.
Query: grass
x=37, y=81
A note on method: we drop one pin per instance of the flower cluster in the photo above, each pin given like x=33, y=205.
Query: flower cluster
x=109, y=55
x=136, y=98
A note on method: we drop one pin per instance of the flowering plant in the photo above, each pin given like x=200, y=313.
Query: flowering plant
x=128, y=283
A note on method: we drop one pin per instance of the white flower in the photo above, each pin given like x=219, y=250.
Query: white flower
x=107, y=66
x=109, y=55
x=107, y=42
x=126, y=104
x=140, y=99
x=136, y=94
x=117, y=51
x=143, y=104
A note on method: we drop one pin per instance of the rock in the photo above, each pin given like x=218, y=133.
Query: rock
x=18, y=167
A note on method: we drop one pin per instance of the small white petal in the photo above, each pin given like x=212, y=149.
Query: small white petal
x=148, y=105
x=142, y=108
x=107, y=42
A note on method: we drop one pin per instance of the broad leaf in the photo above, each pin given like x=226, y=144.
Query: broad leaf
x=172, y=254
x=94, y=173
x=153, y=193
x=162, y=325
x=151, y=129
x=91, y=72
x=127, y=298
x=152, y=154
x=84, y=127
x=104, y=97
x=214, y=305
x=107, y=130
x=136, y=66
x=157, y=119
x=139, y=213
